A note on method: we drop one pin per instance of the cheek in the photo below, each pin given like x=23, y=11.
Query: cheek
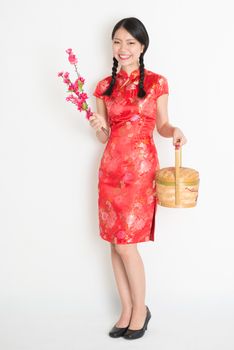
x=115, y=51
x=136, y=51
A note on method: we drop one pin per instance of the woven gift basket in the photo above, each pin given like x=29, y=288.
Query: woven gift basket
x=177, y=187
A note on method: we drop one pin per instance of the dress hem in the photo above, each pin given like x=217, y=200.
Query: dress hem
x=143, y=241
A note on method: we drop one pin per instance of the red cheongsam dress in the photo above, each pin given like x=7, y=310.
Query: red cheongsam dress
x=126, y=179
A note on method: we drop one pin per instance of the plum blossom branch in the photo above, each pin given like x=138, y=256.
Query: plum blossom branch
x=77, y=96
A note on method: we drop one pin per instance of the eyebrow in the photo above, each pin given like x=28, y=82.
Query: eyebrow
x=121, y=40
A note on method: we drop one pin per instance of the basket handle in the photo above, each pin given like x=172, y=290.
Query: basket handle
x=178, y=164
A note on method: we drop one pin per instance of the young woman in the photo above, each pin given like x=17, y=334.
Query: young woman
x=130, y=104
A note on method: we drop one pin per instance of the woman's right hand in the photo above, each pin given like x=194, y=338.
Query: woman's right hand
x=97, y=121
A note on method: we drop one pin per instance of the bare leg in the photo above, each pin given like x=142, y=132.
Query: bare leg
x=136, y=276
x=123, y=288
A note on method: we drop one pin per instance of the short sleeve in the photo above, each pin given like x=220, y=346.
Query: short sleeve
x=162, y=86
x=101, y=86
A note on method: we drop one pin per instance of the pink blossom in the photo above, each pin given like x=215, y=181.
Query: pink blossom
x=88, y=113
x=66, y=81
x=72, y=98
x=72, y=59
x=69, y=51
x=60, y=74
x=83, y=95
x=71, y=87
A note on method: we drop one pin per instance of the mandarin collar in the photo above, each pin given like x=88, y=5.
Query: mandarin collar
x=134, y=74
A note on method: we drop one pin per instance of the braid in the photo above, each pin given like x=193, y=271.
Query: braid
x=141, y=92
x=109, y=90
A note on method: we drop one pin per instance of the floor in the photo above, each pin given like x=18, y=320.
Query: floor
x=201, y=325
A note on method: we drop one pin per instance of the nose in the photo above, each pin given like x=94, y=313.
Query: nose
x=123, y=48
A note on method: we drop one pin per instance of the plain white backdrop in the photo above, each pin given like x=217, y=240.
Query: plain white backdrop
x=57, y=286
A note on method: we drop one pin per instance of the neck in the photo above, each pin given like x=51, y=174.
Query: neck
x=129, y=70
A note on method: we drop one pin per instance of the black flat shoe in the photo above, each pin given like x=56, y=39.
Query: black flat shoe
x=137, y=333
x=117, y=332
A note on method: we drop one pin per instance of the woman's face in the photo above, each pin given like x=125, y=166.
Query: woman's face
x=126, y=49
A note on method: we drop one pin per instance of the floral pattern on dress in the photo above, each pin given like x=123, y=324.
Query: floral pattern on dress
x=126, y=177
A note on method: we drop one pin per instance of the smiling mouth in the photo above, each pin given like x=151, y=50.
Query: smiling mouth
x=124, y=57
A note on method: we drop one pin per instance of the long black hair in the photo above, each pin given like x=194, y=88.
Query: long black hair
x=137, y=29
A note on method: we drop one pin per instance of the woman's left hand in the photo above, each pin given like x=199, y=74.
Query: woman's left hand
x=178, y=137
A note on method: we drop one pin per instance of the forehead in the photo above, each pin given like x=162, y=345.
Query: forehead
x=123, y=34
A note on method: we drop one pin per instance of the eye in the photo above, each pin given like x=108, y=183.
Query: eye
x=116, y=42
x=132, y=43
